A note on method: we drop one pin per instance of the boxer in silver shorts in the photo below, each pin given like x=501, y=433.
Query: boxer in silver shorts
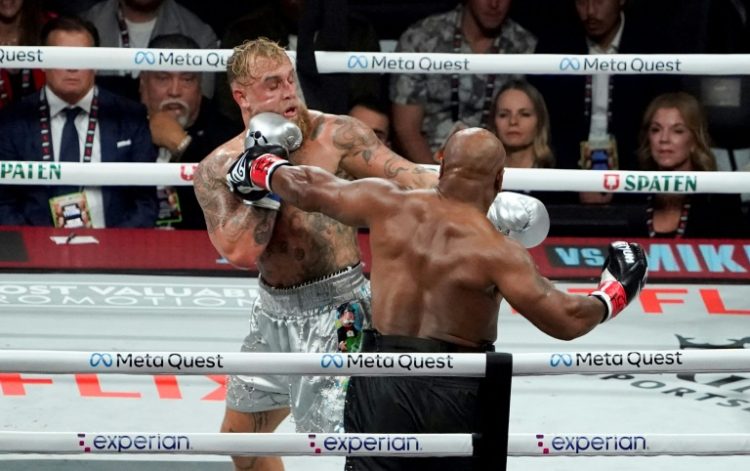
x=302, y=319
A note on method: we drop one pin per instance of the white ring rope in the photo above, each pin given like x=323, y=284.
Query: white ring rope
x=214, y=60
x=177, y=174
x=371, y=364
x=308, y=444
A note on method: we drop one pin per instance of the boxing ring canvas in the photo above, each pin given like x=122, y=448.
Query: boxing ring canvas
x=162, y=313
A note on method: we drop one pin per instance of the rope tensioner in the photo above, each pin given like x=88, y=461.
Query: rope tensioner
x=372, y=364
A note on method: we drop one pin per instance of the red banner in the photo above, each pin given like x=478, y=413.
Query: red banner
x=36, y=248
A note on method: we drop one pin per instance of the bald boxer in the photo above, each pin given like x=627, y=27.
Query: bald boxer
x=439, y=273
x=309, y=264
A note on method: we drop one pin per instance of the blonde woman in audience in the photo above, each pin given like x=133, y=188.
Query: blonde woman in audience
x=674, y=137
x=520, y=120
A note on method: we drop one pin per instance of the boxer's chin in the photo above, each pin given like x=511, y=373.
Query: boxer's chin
x=302, y=120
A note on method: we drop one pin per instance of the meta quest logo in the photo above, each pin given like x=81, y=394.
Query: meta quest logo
x=724, y=390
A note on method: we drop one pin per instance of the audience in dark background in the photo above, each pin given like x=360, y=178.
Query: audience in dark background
x=588, y=122
x=73, y=120
x=20, y=24
x=185, y=127
x=426, y=106
x=133, y=23
x=674, y=137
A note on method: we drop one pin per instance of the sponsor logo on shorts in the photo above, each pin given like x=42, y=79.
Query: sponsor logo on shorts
x=174, y=360
x=124, y=443
x=583, y=444
x=558, y=359
x=352, y=444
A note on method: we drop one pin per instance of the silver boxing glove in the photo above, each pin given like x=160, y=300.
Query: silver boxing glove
x=273, y=129
x=520, y=217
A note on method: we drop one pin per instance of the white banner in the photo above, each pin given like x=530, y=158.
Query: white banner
x=181, y=174
x=214, y=60
x=371, y=364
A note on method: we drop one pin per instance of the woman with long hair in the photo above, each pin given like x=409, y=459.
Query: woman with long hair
x=519, y=118
x=674, y=137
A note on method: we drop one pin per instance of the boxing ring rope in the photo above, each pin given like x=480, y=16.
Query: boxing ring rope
x=214, y=60
x=177, y=174
x=381, y=364
x=367, y=444
x=373, y=364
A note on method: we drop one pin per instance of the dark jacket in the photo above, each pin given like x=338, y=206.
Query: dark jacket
x=120, y=121
x=208, y=132
x=630, y=94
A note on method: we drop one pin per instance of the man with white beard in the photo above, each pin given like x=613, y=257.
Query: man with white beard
x=185, y=127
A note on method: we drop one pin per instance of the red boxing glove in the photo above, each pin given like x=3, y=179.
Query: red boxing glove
x=262, y=168
x=623, y=276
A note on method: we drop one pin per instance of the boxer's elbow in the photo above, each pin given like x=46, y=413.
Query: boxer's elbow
x=577, y=318
x=240, y=254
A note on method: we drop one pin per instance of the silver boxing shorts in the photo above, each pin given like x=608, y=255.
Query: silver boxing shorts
x=327, y=315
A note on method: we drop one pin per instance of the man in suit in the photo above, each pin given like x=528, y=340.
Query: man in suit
x=71, y=120
x=594, y=119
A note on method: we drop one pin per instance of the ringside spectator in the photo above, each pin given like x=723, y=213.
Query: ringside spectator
x=185, y=127
x=427, y=106
x=133, y=23
x=594, y=118
x=72, y=120
x=674, y=137
x=20, y=24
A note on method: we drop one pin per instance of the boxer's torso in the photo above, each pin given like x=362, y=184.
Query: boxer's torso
x=307, y=246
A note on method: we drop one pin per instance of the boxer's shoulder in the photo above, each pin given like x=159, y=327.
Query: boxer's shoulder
x=219, y=160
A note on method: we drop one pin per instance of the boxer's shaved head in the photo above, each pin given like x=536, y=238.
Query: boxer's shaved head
x=474, y=151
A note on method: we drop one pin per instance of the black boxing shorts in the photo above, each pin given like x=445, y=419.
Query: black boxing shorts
x=412, y=404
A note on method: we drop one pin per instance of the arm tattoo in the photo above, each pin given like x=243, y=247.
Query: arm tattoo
x=353, y=140
x=223, y=210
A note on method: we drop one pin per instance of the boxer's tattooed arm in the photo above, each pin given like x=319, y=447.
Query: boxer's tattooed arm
x=223, y=210
x=358, y=143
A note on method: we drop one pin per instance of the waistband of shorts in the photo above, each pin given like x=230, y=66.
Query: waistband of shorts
x=374, y=341
x=330, y=289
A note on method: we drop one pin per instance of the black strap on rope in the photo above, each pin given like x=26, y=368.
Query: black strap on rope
x=491, y=441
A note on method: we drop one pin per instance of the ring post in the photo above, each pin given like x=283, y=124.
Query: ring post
x=491, y=443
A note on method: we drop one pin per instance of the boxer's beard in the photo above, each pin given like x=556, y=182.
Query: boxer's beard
x=302, y=120
x=183, y=117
